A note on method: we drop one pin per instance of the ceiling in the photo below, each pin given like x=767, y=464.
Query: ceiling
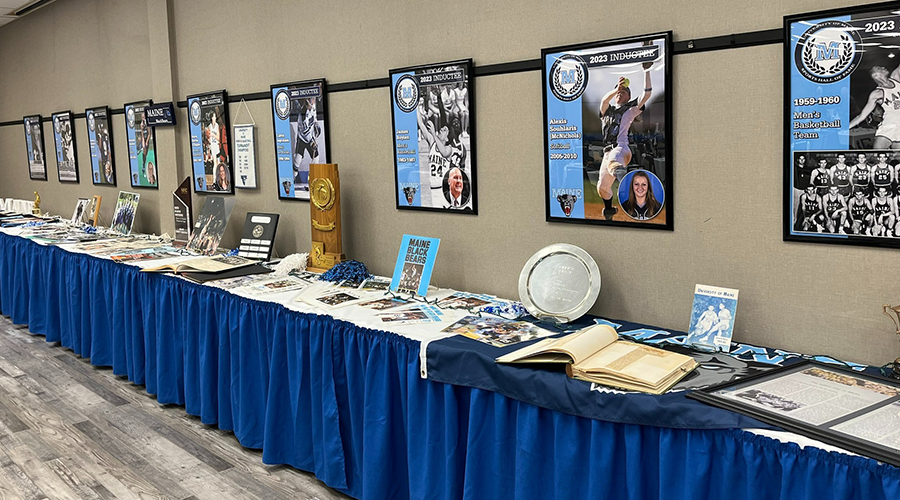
x=8, y=7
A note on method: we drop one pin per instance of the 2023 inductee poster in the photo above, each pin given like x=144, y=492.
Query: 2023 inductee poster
x=210, y=150
x=607, y=132
x=141, y=146
x=103, y=162
x=34, y=146
x=842, y=126
x=299, y=111
x=64, y=139
x=434, y=137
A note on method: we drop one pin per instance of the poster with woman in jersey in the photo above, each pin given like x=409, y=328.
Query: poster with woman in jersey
x=210, y=149
x=141, y=146
x=842, y=117
x=300, y=119
x=103, y=169
x=434, y=137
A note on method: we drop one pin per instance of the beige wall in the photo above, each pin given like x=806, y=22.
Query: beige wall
x=727, y=145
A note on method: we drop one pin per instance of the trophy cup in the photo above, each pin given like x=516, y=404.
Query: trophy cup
x=37, y=204
x=325, y=215
x=893, y=312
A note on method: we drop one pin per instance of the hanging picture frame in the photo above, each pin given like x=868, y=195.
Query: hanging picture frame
x=300, y=125
x=210, y=146
x=100, y=140
x=64, y=142
x=142, y=167
x=34, y=147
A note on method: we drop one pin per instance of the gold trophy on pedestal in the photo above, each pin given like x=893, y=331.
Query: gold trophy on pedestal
x=325, y=215
x=893, y=312
x=37, y=204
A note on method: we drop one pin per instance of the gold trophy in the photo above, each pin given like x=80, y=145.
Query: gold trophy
x=37, y=204
x=893, y=312
x=325, y=215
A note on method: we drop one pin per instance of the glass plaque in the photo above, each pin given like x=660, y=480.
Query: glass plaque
x=559, y=283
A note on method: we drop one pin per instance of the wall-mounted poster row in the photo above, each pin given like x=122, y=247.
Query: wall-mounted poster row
x=141, y=146
x=103, y=162
x=64, y=140
x=34, y=148
x=210, y=146
x=300, y=118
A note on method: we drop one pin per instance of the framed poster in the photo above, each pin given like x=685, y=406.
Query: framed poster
x=141, y=146
x=210, y=149
x=852, y=410
x=300, y=117
x=64, y=140
x=434, y=137
x=608, y=132
x=103, y=161
x=842, y=126
x=34, y=147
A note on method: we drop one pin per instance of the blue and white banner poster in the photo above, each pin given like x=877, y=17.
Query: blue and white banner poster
x=141, y=146
x=712, y=317
x=415, y=262
x=103, y=161
x=434, y=137
x=64, y=139
x=607, y=132
x=34, y=147
x=300, y=115
x=842, y=126
x=210, y=149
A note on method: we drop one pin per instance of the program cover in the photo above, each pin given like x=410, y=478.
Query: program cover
x=415, y=262
x=712, y=317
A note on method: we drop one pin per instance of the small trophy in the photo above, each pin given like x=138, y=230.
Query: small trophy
x=893, y=312
x=37, y=204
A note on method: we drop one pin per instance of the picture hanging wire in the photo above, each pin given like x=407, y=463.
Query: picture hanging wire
x=243, y=104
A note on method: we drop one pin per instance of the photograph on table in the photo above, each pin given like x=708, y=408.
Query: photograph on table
x=608, y=132
x=712, y=318
x=103, y=161
x=842, y=126
x=210, y=225
x=434, y=137
x=64, y=140
x=126, y=208
x=80, y=208
x=300, y=118
x=210, y=148
x=34, y=147
x=141, y=146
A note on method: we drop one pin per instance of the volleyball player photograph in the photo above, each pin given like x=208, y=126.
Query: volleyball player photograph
x=34, y=147
x=842, y=126
x=103, y=170
x=434, y=137
x=64, y=140
x=607, y=116
x=210, y=142
x=299, y=113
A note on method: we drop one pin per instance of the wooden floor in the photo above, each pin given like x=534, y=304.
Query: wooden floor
x=70, y=430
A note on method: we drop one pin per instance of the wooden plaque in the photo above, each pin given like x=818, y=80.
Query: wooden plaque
x=325, y=215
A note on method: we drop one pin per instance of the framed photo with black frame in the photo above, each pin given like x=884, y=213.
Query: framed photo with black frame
x=300, y=124
x=608, y=132
x=34, y=147
x=842, y=126
x=64, y=141
x=100, y=139
x=142, y=166
x=836, y=405
x=210, y=142
x=433, y=132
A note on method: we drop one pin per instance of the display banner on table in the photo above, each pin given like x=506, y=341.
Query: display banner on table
x=34, y=147
x=300, y=117
x=842, y=126
x=141, y=146
x=608, y=132
x=245, y=156
x=434, y=137
x=103, y=161
x=64, y=140
x=184, y=218
x=210, y=149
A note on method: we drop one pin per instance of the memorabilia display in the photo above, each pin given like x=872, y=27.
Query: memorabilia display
x=464, y=300
x=94, y=211
x=838, y=406
x=259, y=236
x=300, y=119
x=141, y=146
x=559, y=283
x=422, y=313
x=254, y=270
x=210, y=148
x=146, y=254
x=415, y=262
x=184, y=214
x=893, y=312
x=496, y=331
x=278, y=285
x=245, y=156
x=608, y=132
x=215, y=264
x=237, y=281
x=595, y=354
x=126, y=208
x=325, y=217
x=375, y=285
x=103, y=161
x=210, y=225
x=434, y=137
x=842, y=126
x=64, y=139
x=712, y=318
x=80, y=208
x=34, y=147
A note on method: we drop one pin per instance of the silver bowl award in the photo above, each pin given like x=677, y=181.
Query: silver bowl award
x=559, y=283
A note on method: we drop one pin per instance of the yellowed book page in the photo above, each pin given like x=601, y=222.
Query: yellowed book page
x=528, y=351
x=582, y=344
x=635, y=361
x=214, y=264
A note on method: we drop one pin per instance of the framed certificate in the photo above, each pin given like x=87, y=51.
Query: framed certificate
x=141, y=146
x=210, y=148
x=34, y=147
x=64, y=140
x=300, y=119
x=842, y=126
x=434, y=137
x=103, y=161
x=608, y=132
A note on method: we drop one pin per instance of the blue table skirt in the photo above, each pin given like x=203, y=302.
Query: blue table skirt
x=347, y=403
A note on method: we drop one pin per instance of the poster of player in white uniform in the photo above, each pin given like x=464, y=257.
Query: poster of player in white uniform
x=103, y=161
x=34, y=147
x=842, y=126
x=434, y=137
x=64, y=139
x=607, y=132
x=299, y=111
x=210, y=146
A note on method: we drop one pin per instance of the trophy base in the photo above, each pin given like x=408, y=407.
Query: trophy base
x=320, y=261
x=35, y=211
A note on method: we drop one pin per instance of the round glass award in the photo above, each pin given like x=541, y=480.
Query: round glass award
x=559, y=283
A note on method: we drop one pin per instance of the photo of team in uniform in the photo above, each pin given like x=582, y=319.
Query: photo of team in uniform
x=301, y=135
x=34, y=147
x=103, y=169
x=210, y=149
x=64, y=138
